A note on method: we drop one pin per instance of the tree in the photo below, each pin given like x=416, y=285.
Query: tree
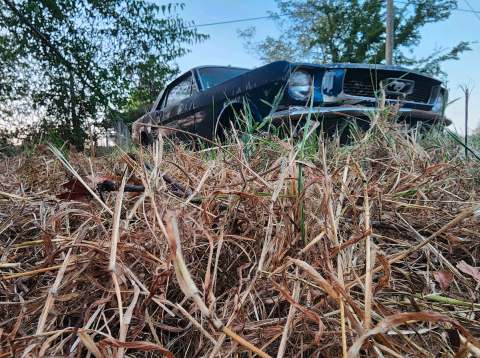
x=329, y=31
x=476, y=131
x=84, y=62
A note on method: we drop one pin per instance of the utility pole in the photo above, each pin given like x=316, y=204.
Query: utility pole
x=390, y=33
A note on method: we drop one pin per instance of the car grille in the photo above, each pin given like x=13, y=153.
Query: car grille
x=364, y=83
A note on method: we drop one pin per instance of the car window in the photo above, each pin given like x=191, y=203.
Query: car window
x=212, y=76
x=180, y=91
x=161, y=105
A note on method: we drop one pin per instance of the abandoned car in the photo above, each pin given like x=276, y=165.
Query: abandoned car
x=203, y=100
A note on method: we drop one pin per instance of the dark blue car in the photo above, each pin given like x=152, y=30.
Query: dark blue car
x=203, y=100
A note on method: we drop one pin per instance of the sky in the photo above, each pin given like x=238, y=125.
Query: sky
x=225, y=47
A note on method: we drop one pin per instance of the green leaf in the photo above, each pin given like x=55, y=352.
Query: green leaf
x=267, y=103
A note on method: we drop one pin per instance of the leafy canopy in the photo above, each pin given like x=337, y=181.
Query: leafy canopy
x=81, y=62
x=330, y=31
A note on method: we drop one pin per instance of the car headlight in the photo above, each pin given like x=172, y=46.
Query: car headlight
x=440, y=101
x=300, y=83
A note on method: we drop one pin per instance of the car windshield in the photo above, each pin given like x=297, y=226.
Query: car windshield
x=212, y=76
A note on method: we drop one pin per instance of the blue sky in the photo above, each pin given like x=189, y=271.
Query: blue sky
x=225, y=47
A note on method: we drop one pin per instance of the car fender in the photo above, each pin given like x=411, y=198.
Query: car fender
x=140, y=131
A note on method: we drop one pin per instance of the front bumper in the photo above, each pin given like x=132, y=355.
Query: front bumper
x=342, y=113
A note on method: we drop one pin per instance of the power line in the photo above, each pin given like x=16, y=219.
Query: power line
x=281, y=15
x=232, y=21
x=476, y=12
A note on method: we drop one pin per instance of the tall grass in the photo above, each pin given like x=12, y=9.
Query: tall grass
x=265, y=254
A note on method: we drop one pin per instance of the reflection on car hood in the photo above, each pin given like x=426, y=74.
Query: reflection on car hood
x=368, y=66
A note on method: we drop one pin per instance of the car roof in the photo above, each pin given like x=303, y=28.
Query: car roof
x=207, y=66
x=217, y=66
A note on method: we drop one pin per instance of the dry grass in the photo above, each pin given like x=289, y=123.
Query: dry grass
x=192, y=278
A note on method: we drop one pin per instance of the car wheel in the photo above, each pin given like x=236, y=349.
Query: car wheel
x=145, y=138
x=228, y=124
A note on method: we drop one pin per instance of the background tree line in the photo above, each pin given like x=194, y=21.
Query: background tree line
x=335, y=31
x=84, y=62
x=74, y=63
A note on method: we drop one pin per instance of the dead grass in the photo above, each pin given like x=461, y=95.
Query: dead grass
x=193, y=278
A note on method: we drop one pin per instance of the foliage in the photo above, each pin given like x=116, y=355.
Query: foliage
x=329, y=31
x=85, y=62
x=476, y=131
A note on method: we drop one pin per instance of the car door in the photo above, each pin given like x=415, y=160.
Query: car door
x=177, y=108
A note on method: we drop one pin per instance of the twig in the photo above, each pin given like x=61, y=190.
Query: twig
x=77, y=326
x=112, y=185
x=291, y=315
x=28, y=273
x=466, y=91
x=368, y=259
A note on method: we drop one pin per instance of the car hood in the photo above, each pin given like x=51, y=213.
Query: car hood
x=367, y=66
